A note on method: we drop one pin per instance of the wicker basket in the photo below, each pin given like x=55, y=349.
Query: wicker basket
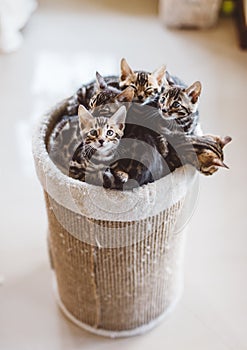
x=117, y=256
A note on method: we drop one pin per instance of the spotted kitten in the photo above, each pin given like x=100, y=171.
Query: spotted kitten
x=145, y=84
x=107, y=95
x=179, y=107
x=100, y=139
x=85, y=93
x=66, y=135
x=205, y=152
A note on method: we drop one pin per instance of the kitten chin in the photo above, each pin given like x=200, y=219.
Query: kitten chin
x=105, y=150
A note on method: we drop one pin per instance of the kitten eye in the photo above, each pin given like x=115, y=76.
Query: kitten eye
x=176, y=104
x=133, y=86
x=148, y=89
x=92, y=102
x=93, y=133
x=109, y=133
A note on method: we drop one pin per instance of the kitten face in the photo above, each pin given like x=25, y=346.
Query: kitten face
x=178, y=102
x=211, y=158
x=102, y=134
x=144, y=84
x=110, y=96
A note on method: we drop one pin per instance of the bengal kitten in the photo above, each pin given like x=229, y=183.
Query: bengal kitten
x=84, y=94
x=101, y=137
x=107, y=95
x=145, y=84
x=66, y=135
x=205, y=152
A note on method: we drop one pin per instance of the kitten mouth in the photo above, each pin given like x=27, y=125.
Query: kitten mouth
x=169, y=117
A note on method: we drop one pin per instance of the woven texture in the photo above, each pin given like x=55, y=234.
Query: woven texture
x=118, y=288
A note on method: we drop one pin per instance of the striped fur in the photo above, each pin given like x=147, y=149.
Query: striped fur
x=145, y=84
x=205, y=152
x=100, y=139
x=179, y=106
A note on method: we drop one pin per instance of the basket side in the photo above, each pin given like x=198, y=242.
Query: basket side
x=121, y=288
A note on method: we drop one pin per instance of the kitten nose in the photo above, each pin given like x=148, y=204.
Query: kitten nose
x=140, y=97
x=101, y=142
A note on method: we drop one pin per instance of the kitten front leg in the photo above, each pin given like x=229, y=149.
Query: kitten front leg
x=108, y=179
x=114, y=178
x=122, y=176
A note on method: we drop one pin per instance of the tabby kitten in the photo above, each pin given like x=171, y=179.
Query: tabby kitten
x=205, y=152
x=66, y=135
x=84, y=94
x=107, y=94
x=179, y=106
x=144, y=84
x=101, y=137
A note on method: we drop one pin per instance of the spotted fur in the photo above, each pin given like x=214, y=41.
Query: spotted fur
x=205, y=152
x=179, y=106
x=155, y=152
x=84, y=94
x=109, y=98
x=100, y=139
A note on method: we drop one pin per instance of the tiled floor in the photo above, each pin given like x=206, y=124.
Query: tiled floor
x=86, y=35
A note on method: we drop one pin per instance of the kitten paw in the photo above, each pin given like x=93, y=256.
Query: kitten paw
x=122, y=176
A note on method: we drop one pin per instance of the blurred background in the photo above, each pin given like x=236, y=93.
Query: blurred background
x=49, y=48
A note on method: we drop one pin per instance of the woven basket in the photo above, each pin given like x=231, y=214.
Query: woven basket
x=117, y=256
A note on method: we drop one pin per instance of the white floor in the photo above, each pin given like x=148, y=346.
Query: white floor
x=89, y=35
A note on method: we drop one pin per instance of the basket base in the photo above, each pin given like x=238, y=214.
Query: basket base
x=114, y=334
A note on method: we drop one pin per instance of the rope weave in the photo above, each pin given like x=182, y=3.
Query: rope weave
x=118, y=288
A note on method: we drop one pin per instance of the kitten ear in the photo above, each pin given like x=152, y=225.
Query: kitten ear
x=125, y=69
x=219, y=162
x=119, y=117
x=100, y=81
x=85, y=118
x=127, y=95
x=194, y=91
x=169, y=79
x=225, y=141
x=159, y=74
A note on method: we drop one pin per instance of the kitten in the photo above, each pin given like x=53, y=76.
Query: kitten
x=205, y=152
x=145, y=84
x=85, y=93
x=66, y=135
x=101, y=137
x=179, y=106
x=107, y=94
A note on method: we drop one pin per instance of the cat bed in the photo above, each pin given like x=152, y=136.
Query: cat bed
x=117, y=255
